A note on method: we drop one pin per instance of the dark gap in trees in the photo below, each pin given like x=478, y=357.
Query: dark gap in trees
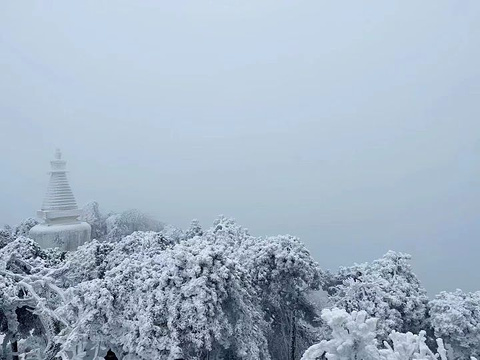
x=110, y=355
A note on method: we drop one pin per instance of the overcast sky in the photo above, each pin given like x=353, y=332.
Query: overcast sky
x=354, y=125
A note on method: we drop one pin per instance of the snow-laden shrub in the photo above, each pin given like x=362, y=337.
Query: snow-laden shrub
x=386, y=289
x=354, y=338
x=183, y=301
x=84, y=264
x=29, y=298
x=455, y=316
x=23, y=229
x=5, y=237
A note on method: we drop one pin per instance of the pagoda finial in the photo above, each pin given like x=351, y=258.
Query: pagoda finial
x=58, y=154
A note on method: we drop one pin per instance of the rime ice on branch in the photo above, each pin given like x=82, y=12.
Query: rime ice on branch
x=61, y=227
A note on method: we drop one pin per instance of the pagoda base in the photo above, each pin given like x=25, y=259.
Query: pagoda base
x=67, y=237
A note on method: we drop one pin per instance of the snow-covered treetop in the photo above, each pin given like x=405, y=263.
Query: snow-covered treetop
x=386, y=289
x=455, y=316
x=354, y=337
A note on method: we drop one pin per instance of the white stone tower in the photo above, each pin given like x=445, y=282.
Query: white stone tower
x=61, y=227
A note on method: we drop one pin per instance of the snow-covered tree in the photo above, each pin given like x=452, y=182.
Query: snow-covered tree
x=386, y=289
x=194, y=230
x=127, y=222
x=455, y=316
x=354, y=338
x=84, y=264
x=172, y=233
x=92, y=215
x=165, y=302
x=29, y=298
x=5, y=237
x=218, y=293
x=283, y=274
x=24, y=227
x=222, y=293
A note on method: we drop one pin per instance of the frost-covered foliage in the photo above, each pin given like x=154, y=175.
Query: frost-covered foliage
x=87, y=263
x=194, y=230
x=283, y=274
x=172, y=233
x=114, y=227
x=24, y=227
x=455, y=316
x=163, y=302
x=217, y=294
x=5, y=237
x=92, y=215
x=386, y=289
x=29, y=298
x=127, y=222
x=354, y=337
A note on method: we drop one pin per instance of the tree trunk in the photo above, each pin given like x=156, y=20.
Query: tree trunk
x=15, y=350
x=293, y=343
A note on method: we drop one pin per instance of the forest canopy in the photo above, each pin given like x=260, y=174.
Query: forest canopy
x=147, y=290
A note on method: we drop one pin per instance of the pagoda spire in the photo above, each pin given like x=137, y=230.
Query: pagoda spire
x=59, y=203
x=59, y=194
x=59, y=212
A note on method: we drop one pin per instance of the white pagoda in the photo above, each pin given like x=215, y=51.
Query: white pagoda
x=60, y=227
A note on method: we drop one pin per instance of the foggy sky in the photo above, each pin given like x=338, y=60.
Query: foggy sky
x=354, y=125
